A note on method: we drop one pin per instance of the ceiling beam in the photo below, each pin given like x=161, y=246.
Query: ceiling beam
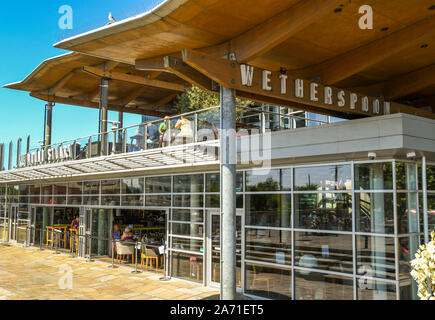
x=88, y=104
x=352, y=62
x=134, y=79
x=131, y=96
x=264, y=37
x=60, y=84
x=154, y=64
x=403, y=85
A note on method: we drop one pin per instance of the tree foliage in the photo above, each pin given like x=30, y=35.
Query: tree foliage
x=196, y=99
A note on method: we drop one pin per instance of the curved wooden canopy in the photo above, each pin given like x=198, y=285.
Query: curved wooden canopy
x=313, y=39
x=74, y=79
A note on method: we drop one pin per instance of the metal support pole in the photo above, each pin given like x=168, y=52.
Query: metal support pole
x=56, y=233
x=424, y=189
x=104, y=100
x=2, y=156
x=113, y=266
x=40, y=240
x=19, y=152
x=10, y=156
x=90, y=248
x=121, y=125
x=89, y=153
x=228, y=193
x=135, y=260
x=48, y=124
x=124, y=141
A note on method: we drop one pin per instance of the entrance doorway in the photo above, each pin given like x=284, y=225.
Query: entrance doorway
x=214, y=248
x=95, y=231
x=18, y=224
x=4, y=223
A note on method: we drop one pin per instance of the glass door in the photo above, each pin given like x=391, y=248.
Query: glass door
x=19, y=222
x=214, y=246
x=4, y=223
x=36, y=224
x=13, y=223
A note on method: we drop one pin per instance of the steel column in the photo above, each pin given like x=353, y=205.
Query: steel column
x=10, y=156
x=228, y=193
x=104, y=101
x=121, y=125
x=48, y=124
x=424, y=189
x=2, y=156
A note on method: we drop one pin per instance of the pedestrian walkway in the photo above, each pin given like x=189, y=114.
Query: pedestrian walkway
x=30, y=274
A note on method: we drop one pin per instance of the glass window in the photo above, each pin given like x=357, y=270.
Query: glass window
x=133, y=185
x=369, y=289
x=375, y=257
x=187, y=215
x=374, y=176
x=60, y=188
x=374, y=212
x=408, y=290
x=213, y=182
x=91, y=200
x=59, y=199
x=430, y=177
x=158, y=201
x=272, y=246
x=187, y=244
x=186, y=229
x=407, y=214
x=109, y=200
x=406, y=176
x=318, y=286
x=188, y=201
x=324, y=211
x=75, y=188
x=213, y=201
x=110, y=187
x=324, y=251
x=275, y=180
x=158, y=185
x=189, y=183
x=187, y=266
x=75, y=200
x=132, y=201
x=91, y=187
x=408, y=247
x=268, y=210
x=323, y=178
x=268, y=282
x=47, y=189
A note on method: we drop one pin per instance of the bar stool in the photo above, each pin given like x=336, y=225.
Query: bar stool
x=50, y=236
x=71, y=244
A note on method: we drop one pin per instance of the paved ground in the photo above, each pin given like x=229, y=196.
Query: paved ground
x=30, y=274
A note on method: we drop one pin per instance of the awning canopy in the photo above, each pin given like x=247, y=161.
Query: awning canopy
x=319, y=40
x=74, y=79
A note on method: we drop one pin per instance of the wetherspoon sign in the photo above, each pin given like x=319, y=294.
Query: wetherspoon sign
x=282, y=87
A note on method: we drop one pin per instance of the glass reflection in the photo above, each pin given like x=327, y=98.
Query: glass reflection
x=324, y=251
x=133, y=186
x=375, y=257
x=276, y=180
x=189, y=183
x=187, y=266
x=407, y=214
x=374, y=176
x=369, y=289
x=374, y=212
x=318, y=286
x=158, y=184
x=268, y=210
x=273, y=246
x=323, y=178
x=268, y=282
x=324, y=211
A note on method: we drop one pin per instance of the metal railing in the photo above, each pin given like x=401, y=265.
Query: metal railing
x=200, y=126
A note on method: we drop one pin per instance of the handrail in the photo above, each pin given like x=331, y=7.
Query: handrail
x=149, y=123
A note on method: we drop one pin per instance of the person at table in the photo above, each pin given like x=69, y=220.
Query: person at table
x=75, y=223
x=116, y=234
x=127, y=235
x=165, y=137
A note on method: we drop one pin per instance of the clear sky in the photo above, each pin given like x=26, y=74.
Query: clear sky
x=28, y=30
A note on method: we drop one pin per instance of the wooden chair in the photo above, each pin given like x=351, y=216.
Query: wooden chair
x=148, y=256
x=123, y=251
x=256, y=279
x=195, y=264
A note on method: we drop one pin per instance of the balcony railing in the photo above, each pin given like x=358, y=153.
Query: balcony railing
x=195, y=128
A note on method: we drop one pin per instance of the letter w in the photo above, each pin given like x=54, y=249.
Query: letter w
x=247, y=74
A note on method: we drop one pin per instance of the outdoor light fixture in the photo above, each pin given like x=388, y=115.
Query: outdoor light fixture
x=411, y=155
x=372, y=155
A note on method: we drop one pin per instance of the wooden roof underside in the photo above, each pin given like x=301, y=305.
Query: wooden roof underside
x=313, y=39
x=74, y=79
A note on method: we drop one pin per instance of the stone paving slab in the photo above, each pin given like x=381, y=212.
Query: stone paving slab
x=30, y=274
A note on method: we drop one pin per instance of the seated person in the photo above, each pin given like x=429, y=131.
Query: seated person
x=127, y=235
x=75, y=223
x=116, y=234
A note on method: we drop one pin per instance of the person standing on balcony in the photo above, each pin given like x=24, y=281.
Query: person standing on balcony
x=186, y=133
x=164, y=134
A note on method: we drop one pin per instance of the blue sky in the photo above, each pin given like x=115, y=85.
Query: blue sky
x=28, y=30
